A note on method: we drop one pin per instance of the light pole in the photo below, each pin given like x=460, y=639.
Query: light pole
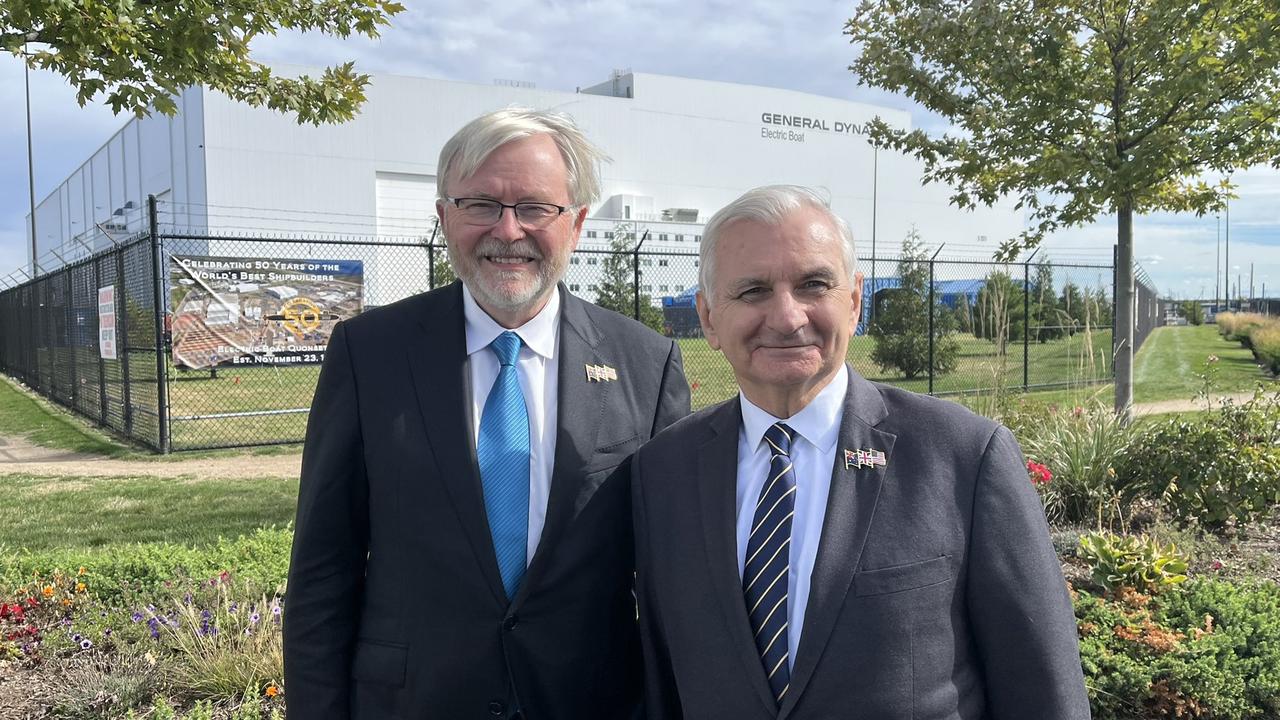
x=31, y=175
x=1217, y=267
x=1226, y=261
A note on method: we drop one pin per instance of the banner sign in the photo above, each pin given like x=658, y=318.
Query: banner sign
x=107, y=322
x=255, y=311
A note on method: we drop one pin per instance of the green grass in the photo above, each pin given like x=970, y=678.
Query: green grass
x=1077, y=360
x=46, y=513
x=1167, y=364
x=23, y=415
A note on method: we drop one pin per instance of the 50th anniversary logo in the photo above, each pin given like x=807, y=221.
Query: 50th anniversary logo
x=259, y=311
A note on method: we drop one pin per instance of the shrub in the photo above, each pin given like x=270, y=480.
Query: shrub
x=1239, y=326
x=105, y=686
x=1266, y=345
x=1081, y=447
x=1215, y=469
x=1211, y=650
x=1131, y=561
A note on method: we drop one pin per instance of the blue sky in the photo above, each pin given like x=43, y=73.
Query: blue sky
x=561, y=45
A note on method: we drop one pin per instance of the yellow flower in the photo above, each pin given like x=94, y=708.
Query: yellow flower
x=48, y=591
x=66, y=602
x=82, y=571
x=80, y=587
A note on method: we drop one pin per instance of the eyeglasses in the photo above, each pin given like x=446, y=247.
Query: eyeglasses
x=531, y=215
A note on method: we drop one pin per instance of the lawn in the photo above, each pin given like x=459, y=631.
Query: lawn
x=24, y=414
x=39, y=514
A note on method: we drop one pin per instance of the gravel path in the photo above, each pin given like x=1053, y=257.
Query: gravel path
x=17, y=456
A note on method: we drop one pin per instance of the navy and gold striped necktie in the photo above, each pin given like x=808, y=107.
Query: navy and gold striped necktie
x=765, y=574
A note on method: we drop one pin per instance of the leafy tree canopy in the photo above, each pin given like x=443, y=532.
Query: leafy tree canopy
x=1079, y=108
x=140, y=53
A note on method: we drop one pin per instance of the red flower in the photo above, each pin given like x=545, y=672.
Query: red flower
x=1040, y=475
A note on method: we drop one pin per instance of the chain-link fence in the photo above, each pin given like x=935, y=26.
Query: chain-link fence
x=52, y=328
x=245, y=320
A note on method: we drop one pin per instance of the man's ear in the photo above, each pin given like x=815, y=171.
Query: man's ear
x=856, y=299
x=704, y=318
x=579, y=218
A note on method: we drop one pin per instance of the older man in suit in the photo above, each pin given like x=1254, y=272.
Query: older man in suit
x=824, y=547
x=462, y=546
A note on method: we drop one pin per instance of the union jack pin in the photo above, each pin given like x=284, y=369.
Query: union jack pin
x=864, y=458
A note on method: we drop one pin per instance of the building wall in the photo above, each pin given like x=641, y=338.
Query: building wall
x=675, y=142
x=105, y=198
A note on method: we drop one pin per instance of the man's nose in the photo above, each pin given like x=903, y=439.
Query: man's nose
x=786, y=314
x=508, y=226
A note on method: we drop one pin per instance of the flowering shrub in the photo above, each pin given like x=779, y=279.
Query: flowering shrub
x=1212, y=470
x=1081, y=445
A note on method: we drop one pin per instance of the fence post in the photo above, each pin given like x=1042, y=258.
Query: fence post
x=69, y=335
x=1026, y=323
x=929, y=310
x=102, y=363
x=162, y=375
x=635, y=267
x=122, y=342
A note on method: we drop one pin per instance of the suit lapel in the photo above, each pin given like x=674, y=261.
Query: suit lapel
x=437, y=351
x=851, y=505
x=579, y=409
x=717, y=485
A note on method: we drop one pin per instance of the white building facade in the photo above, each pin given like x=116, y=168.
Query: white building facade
x=681, y=148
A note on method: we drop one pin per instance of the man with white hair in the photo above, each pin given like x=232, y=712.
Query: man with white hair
x=820, y=546
x=463, y=545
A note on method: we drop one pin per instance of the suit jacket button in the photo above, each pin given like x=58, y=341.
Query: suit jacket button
x=497, y=708
x=510, y=623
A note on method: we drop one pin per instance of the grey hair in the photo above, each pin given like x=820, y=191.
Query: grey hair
x=770, y=204
x=467, y=150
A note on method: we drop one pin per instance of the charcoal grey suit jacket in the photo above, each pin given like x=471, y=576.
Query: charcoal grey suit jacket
x=395, y=606
x=936, y=594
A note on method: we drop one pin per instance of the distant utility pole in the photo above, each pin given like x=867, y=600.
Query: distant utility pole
x=1250, y=286
x=1217, y=268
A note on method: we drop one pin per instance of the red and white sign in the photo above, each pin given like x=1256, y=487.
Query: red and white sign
x=107, y=322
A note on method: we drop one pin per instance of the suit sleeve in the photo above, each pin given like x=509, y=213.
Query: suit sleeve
x=673, y=393
x=330, y=541
x=1020, y=610
x=661, y=697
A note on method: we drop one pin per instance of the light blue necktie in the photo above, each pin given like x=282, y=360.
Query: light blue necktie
x=502, y=452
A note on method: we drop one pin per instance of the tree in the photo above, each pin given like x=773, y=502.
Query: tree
x=1081, y=108
x=139, y=54
x=963, y=313
x=1193, y=312
x=616, y=290
x=441, y=269
x=901, y=327
x=1071, y=307
x=999, y=315
x=1045, y=319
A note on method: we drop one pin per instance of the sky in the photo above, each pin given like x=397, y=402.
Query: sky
x=563, y=45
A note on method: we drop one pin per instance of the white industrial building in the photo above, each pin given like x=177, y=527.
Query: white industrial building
x=681, y=149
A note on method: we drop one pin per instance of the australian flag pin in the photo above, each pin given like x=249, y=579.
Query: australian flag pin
x=864, y=458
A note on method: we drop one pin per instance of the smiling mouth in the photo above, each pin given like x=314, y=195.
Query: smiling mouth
x=508, y=259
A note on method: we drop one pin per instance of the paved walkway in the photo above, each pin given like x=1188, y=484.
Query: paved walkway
x=1168, y=406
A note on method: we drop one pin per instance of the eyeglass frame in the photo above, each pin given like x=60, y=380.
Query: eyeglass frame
x=502, y=207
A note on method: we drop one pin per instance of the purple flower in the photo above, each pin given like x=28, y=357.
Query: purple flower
x=254, y=618
x=248, y=631
x=136, y=616
x=106, y=633
x=76, y=638
x=85, y=644
x=232, y=608
x=205, y=615
x=186, y=599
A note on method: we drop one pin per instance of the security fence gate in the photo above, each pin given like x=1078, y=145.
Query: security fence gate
x=187, y=341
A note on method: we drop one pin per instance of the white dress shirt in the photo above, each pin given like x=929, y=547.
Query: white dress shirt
x=536, y=367
x=813, y=453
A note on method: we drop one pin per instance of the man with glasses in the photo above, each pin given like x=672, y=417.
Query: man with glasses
x=463, y=543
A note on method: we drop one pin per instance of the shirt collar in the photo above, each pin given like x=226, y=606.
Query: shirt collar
x=818, y=422
x=539, y=334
